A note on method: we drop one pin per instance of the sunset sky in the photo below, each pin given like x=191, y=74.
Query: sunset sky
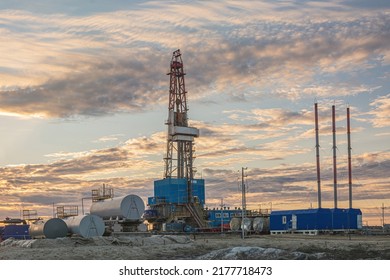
x=84, y=99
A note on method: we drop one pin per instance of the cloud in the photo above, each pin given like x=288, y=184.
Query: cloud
x=109, y=138
x=72, y=168
x=296, y=185
x=131, y=168
x=110, y=87
x=375, y=4
x=127, y=168
x=102, y=60
x=104, y=64
x=381, y=112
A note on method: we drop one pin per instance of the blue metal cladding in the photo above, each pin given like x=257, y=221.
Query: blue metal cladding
x=345, y=218
x=173, y=190
x=310, y=219
x=16, y=231
x=315, y=219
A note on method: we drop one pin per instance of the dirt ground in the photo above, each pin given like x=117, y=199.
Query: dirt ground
x=215, y=246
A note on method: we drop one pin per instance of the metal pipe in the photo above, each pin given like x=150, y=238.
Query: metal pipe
x=317, y=155
x=349, y=158
x=334, y=156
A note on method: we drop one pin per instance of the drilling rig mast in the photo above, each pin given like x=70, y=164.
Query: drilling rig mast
x=180, y=137
x=179, y=198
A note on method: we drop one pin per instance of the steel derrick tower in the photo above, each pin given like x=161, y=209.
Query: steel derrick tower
x=180, y=137
x=178, y=198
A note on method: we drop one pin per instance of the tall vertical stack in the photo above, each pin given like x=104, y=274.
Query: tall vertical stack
x=334, y=148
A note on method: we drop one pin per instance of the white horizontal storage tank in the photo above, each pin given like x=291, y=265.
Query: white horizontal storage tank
x=129, y=207
x=246, y=224
x=52, y=228
x=261, y=224
x=86, y=225
x=235, y=224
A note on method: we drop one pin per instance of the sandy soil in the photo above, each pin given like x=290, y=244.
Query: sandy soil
x=200, y=247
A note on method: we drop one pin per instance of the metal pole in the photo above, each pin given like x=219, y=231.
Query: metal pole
x=383, y=215
x=317, y=156
x=221, y=215
x=243, y=202
x=349, y=159
x=334, y=156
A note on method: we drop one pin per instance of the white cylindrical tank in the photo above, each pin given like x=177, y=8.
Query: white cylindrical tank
x=86, y=225
x=246, y=224
x=261, y=224
x=52, y=228
x=235, y=224
x=129, y=207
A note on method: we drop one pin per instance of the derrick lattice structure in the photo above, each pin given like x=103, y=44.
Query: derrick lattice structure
x=178, y=198
x=180, y=140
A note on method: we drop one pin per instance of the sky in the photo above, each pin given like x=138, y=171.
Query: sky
x=84, y=99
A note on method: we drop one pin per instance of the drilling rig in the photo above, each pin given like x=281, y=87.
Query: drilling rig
x=179, y=198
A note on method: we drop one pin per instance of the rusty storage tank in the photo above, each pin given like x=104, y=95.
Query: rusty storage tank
x=85, y=225
x=235, y=224
x=129, y=207
x=261, y=224
x=52, y=228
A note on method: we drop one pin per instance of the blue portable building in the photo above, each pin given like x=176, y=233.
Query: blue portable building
x=1, y=233
x=174, y=190
x=16, y=231
x=313, y=221
x=216, y=216
x=345, y=219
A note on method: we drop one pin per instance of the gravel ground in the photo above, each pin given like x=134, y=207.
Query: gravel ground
x=175, y=247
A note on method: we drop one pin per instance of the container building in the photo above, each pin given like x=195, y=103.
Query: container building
x=15, y=231
x=217, y=216
x=315, y=221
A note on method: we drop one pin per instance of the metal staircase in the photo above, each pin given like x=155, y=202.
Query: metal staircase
x=195, y=214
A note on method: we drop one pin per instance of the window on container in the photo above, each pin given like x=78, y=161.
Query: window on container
x=226, y=215
x=284, y=220
x=232, y=214
x=217, y=215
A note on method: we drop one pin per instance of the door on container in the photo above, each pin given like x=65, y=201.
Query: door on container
x=359, y=222
x=294, y=222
